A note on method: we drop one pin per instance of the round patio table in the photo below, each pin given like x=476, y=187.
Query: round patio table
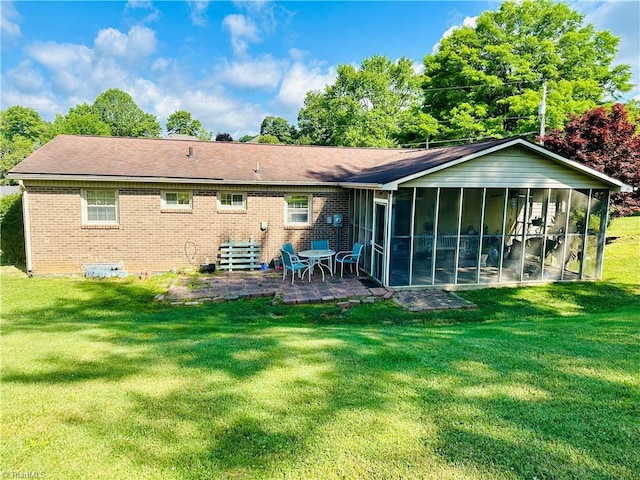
x=316, y=257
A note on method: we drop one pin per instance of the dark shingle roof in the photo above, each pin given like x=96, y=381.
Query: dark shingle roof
x=162, y=159
x=422, y=160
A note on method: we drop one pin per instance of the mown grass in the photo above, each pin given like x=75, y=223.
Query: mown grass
x=100, y=381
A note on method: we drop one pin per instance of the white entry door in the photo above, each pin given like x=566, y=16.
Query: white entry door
x=378, y=244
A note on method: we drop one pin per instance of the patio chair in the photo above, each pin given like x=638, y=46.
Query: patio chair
x=323, y=245
x=288, y=247
x=293, y=263
x=350, y=257
x=319, y=244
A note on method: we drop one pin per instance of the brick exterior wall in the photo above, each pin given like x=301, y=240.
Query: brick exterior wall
x=148, y=237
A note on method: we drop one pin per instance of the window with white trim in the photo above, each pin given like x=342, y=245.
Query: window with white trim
x=100, y=207
x=232, y=201
x=176, y=200
x=298, y=209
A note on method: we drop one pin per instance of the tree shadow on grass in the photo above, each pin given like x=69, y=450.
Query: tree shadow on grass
x=546, y=301
x=256, y=390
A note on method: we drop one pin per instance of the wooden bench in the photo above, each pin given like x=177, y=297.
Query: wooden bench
x=239, y=255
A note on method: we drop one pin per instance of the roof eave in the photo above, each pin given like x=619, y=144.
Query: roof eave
x=135, y=179
x=393, y=185
x=366, y=186
x=617, y=185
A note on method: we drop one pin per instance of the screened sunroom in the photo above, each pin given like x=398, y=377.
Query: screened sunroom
x=445, y=229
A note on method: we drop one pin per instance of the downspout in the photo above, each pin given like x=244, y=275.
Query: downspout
x=27, y=227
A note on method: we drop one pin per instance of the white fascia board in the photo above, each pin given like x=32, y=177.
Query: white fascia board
x=621, y=186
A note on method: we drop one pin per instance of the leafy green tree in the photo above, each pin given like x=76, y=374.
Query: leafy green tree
x=633, y=110
x=181, y=122
x=245, y=138
x=488, y=79
x=278, y=127
x=18, y=121
x=605, y=140
x=368, y=106
x=80, y=120
x=13, y=152
x=268, y=138
x=22, y=131
x=125, y=119
x=223, y=137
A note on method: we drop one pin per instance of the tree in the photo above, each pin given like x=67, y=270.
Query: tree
x=605, y=140
x=278, y=127
x=18, y=121
x=268, y=138
x=223, y=137
x=125, y=119
x=22, y=131
x=80, y=120
x=487, y=80
x=633, y=111
x=245, y=138
x=369, y=106
x=180, y=122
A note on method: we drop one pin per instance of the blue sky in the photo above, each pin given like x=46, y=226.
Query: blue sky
x=229, y=63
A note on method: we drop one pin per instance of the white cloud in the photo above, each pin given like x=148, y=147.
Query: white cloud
x=144, y=5
x=139, y=43
x=160, y=64
x=217, y=111
x=299, y=80
x=45, y=103
x=81, y=72
x=28, y=76
x=263, y=13
x=621, y=18
x=467, y=22
x=9, y=20
x=418, y=68
x=242, y=30
x=57, y=56
x=198, y=9
x=262, y=73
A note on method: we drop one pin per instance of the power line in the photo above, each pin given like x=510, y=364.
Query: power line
x=463, y=87
x=427, y=143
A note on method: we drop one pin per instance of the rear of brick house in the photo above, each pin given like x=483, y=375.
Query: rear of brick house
x=154, y=204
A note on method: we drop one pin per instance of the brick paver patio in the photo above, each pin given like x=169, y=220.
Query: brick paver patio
x=221, y=287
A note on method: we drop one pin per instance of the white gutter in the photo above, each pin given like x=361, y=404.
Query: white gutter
x=130, y=179
x=206, y=181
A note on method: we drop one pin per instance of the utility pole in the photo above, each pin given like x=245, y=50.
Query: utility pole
x=542, y=110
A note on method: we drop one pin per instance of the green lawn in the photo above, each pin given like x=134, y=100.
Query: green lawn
x=99, y=381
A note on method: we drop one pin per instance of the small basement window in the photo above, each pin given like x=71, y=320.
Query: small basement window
x=174, y=200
